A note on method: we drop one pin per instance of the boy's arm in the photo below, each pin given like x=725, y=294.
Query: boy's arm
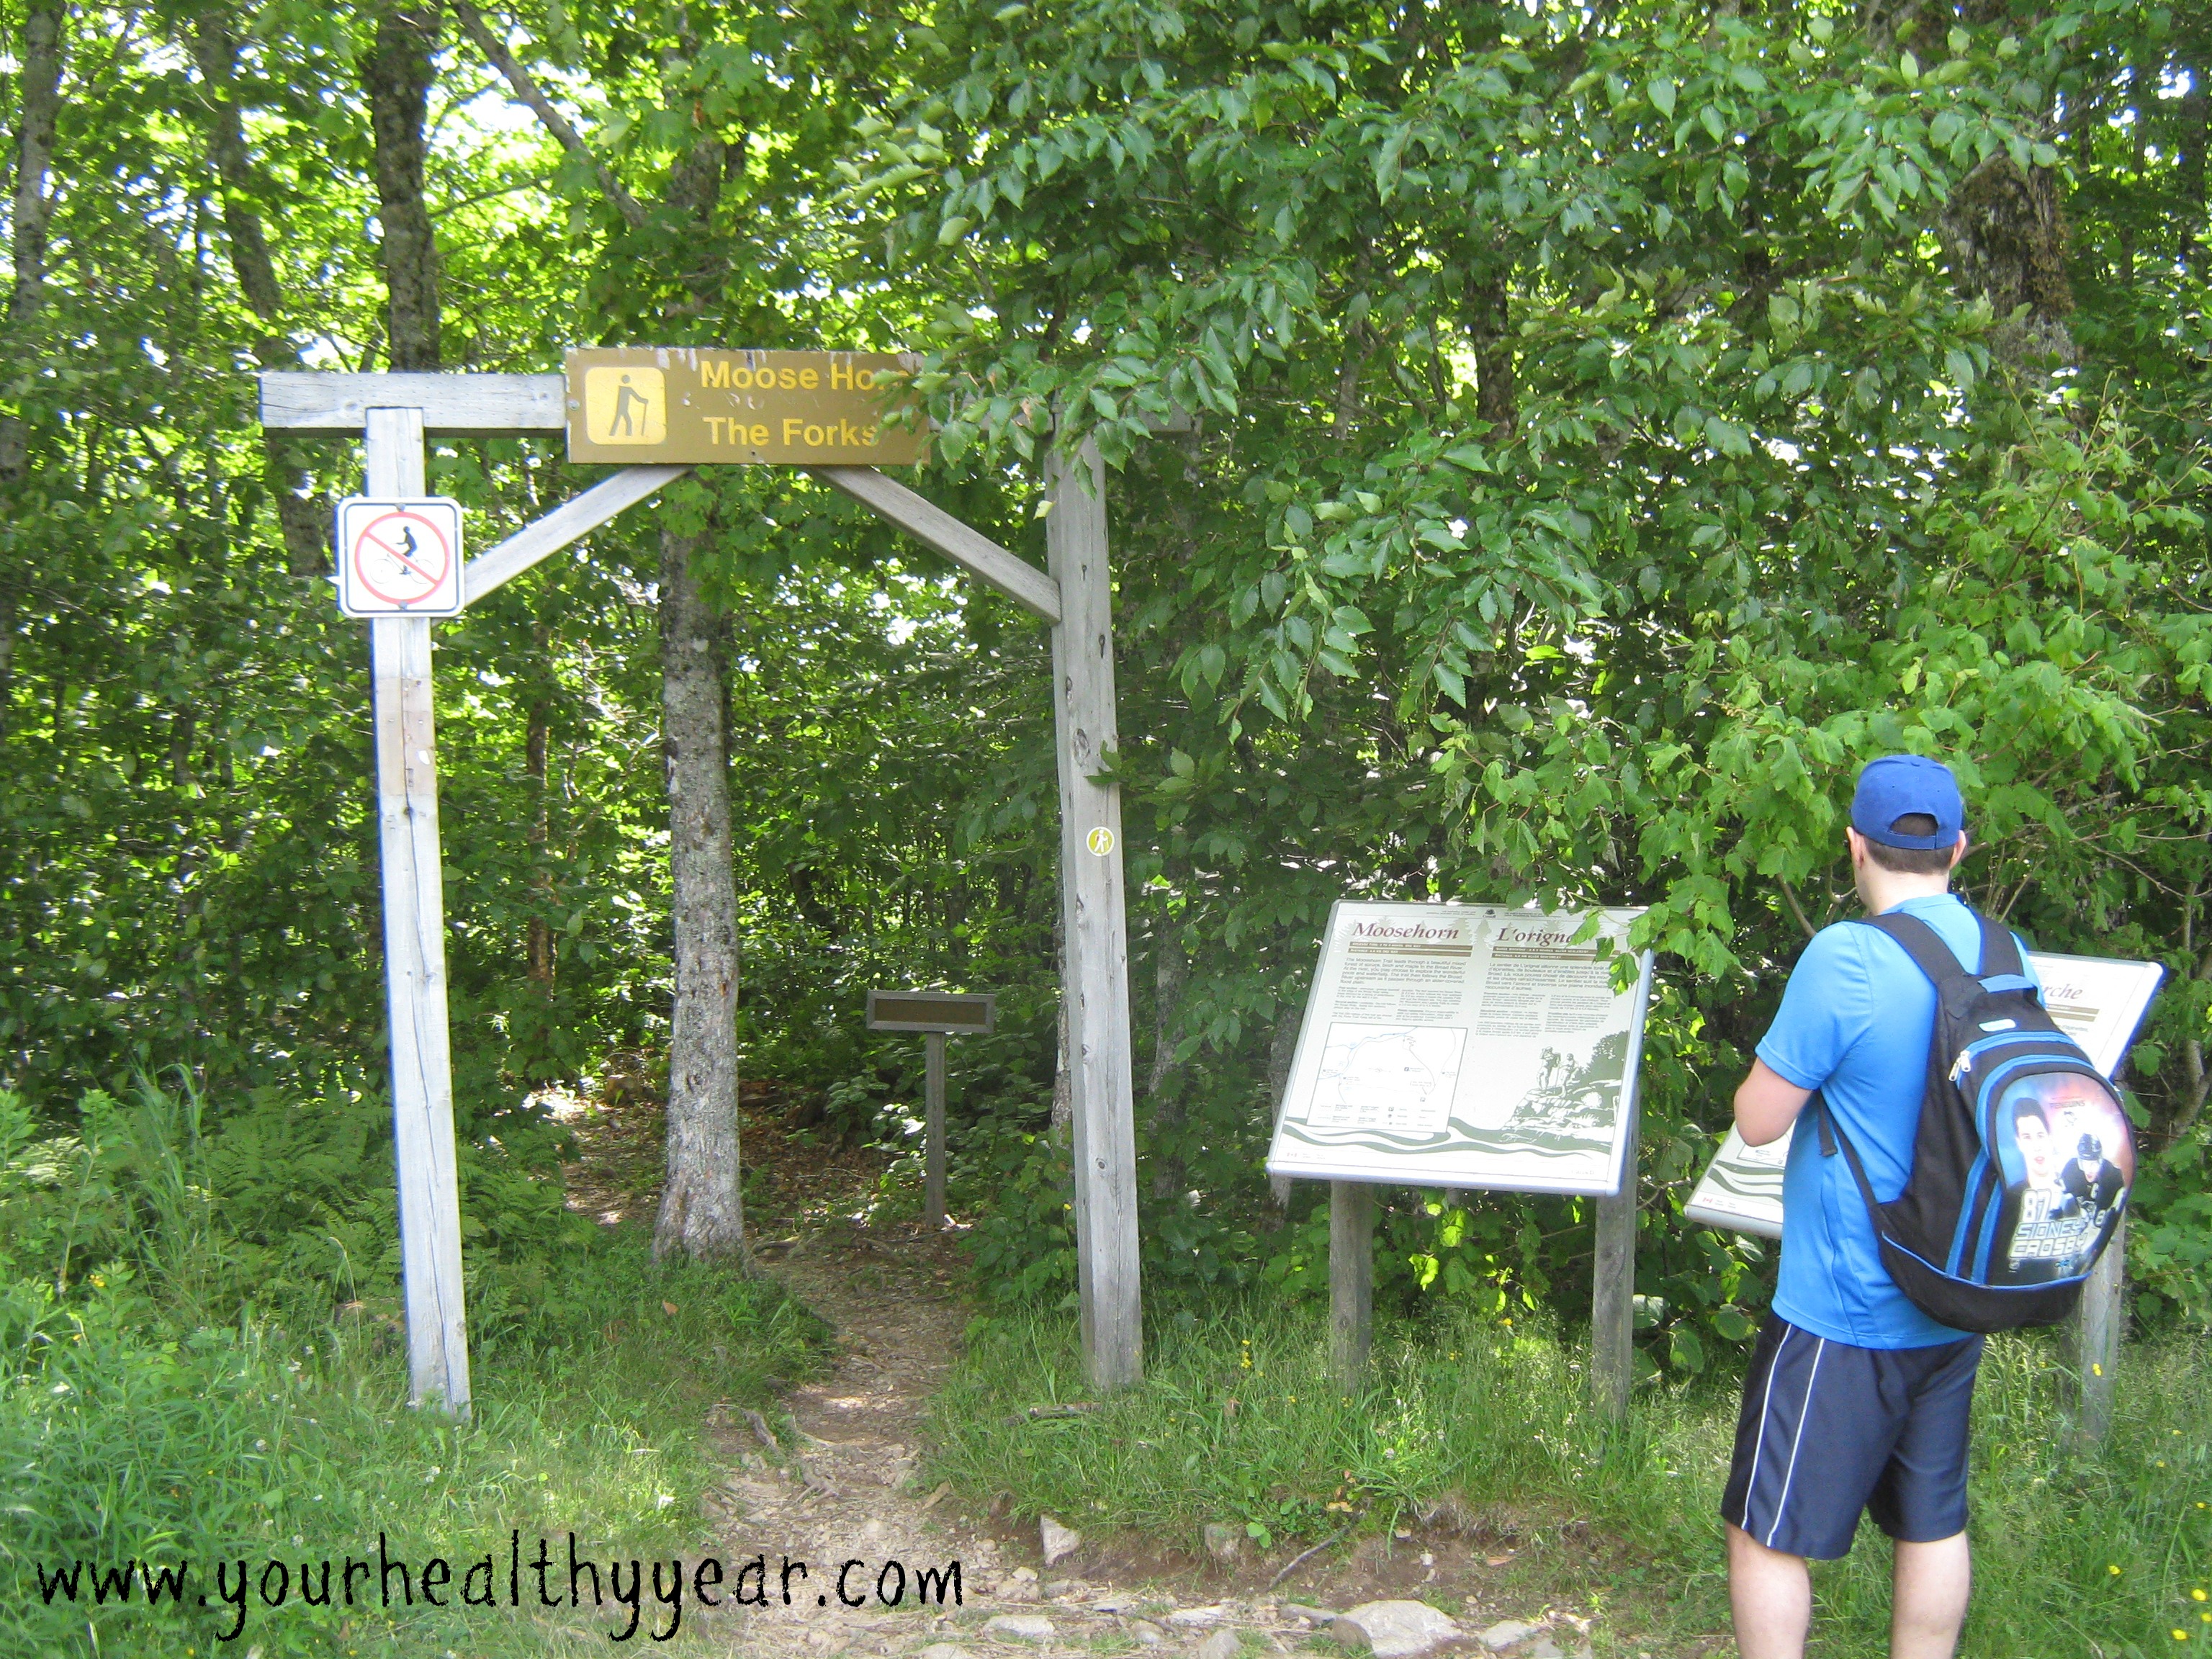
x=1766, y=1104
x=1825, y=1008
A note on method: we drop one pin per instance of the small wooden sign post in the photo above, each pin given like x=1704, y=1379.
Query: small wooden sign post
x=679, y=407
x=936, y=1015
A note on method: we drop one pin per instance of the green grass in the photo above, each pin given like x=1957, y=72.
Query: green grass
x=1490, y=1423
x=192, y=1373
x=124, y=1440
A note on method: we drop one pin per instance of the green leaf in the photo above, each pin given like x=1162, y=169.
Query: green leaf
x=1727, y=436
x=1661, y=92
x=1683, y=1351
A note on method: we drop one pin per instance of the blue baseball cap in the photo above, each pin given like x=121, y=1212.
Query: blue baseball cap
x=1896, y=785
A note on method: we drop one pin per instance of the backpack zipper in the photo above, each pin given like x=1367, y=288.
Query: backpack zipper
x=1965, y=1062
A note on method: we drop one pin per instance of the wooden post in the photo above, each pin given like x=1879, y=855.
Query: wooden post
x=414, y=961
x=932, y=1202
x=1095, y=988
x=1351, y=1282
x=1612, y=1291
x=2097, y=1326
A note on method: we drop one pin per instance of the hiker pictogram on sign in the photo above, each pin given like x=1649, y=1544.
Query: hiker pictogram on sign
x=399, y=558
x=626, y=405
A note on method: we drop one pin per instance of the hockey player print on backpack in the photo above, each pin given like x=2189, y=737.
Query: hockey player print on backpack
x=2062, y=1186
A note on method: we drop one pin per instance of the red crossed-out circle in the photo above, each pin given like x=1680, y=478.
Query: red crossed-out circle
x=390, y=569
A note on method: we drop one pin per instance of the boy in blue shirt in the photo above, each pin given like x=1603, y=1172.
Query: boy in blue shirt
x=1856, y=1400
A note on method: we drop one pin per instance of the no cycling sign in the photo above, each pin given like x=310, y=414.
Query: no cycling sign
x=399, y=557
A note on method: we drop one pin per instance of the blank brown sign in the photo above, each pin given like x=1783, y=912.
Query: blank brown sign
x=929, y=1011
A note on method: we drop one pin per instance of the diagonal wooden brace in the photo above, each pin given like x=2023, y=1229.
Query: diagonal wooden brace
x=570, y=521
x=933, y=527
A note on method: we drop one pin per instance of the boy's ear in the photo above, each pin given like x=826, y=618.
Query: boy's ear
x=1959, y=851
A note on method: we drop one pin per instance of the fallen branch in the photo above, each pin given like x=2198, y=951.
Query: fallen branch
x=1299, y=1560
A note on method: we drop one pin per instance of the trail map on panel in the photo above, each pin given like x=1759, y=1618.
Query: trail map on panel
x=2096, y=1001
x=1450, y=1045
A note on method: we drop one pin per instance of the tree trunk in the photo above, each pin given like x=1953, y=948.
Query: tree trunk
x=303, y=513
x=1282, y=1049
x=1495, y=392
x=2006, y=239
x=1169, y=974
x=702, y=1214
x=538, y=943
x=38, y=103
x=2195, y=117
x=701, y=1210
x=2196, y=1077
x=395, y=74
x=2004, y=234
x=33, y=207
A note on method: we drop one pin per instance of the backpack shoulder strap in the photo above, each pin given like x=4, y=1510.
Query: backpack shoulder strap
x=1832, y=1140
x=1925, y=946
x=2003, y=966
x=2000, y=950
x=2000, y=968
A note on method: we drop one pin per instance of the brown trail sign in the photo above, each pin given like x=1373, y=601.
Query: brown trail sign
x=937, y=1015
x=839, y=435
x=628, y=404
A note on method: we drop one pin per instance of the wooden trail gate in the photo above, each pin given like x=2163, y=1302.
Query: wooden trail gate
x=393, y=413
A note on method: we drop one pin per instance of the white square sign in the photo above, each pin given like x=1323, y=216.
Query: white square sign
x=399, y=557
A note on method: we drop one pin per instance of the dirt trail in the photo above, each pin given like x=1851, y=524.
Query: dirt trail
x=845, y=1491
x=848, y=1490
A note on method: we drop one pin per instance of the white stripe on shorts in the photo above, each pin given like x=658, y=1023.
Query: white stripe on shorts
x=1758, y=1446
x=1804, y=1411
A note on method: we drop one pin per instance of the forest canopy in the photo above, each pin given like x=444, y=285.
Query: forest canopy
x=1550, y=448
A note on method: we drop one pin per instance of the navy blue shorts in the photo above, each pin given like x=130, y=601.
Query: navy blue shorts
x=1829, y=1430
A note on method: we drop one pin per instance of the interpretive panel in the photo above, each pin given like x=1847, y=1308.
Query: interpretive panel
x=1455, y=1045
x=2096, y=1001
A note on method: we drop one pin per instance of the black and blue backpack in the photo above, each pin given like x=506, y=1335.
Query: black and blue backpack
x=2023, y=1160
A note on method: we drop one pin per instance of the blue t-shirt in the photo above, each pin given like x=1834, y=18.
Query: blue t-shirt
x=1855, y=1023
